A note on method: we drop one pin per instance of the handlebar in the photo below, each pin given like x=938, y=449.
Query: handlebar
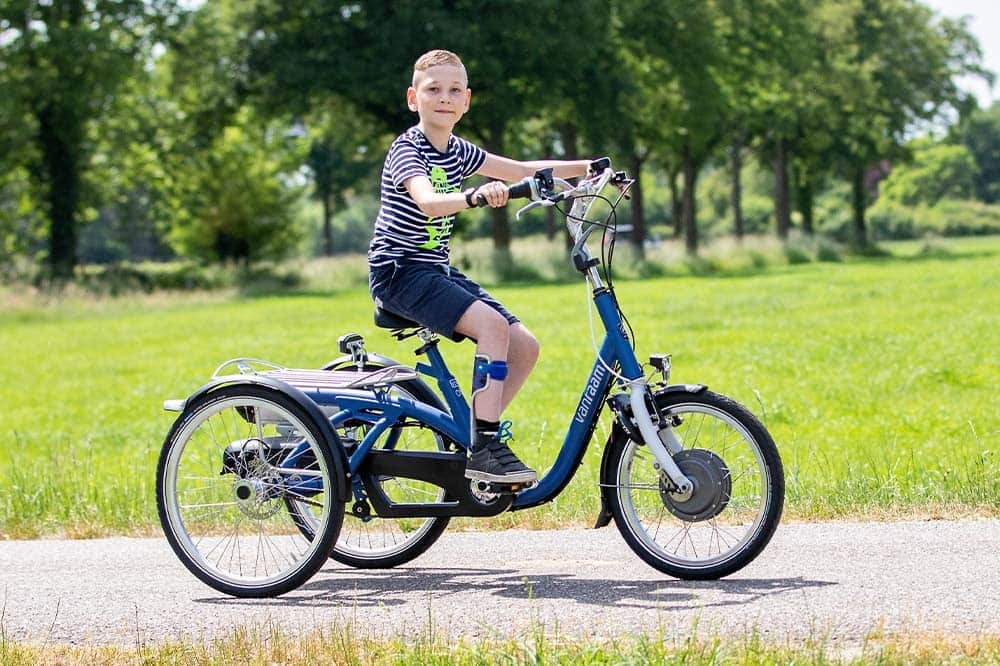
x=541, y=186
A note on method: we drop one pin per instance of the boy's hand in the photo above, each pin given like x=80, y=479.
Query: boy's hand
x=495, y=193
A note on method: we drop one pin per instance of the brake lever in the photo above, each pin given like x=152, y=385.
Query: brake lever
x=544, y=203
x=531, y=206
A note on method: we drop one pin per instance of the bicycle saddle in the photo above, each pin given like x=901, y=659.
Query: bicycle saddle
x=393, y=321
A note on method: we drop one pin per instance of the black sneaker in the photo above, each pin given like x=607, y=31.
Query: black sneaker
x=492, y=460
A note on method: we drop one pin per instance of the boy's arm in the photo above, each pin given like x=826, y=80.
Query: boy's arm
x=431, y=203
x=438, y=204
x=507, y=169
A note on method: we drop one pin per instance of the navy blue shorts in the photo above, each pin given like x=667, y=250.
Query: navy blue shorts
x=433, y=295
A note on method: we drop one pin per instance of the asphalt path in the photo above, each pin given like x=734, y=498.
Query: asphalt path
x=835, y=581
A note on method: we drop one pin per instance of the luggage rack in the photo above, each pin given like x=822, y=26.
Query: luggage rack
x=319, y=379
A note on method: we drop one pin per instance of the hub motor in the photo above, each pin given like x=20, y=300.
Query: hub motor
x=711, y=481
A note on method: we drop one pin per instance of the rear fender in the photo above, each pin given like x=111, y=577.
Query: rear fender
x=341, y=362
x=332, y=441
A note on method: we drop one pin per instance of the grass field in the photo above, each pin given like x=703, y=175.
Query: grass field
x=877, y=378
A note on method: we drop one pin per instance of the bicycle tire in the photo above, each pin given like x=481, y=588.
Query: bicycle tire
x=223, y=479
x=735, y=508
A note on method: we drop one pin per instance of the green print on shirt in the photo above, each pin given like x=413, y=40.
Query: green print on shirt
x=437, y=227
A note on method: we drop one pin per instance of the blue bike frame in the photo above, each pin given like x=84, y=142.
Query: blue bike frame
x=381, y=409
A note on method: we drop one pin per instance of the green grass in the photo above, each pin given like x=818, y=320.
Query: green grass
x=877, y=377
x=349, y=644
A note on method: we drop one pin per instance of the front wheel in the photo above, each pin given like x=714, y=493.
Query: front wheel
x=231, y=464
x=730, y=515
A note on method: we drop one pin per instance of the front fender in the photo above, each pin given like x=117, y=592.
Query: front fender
x=332, y=441
x=607, y=482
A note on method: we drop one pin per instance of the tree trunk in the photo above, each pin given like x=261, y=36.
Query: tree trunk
x=501, y=229
x=550, y=223
x=782, y=207
x=736, y=194
x=676, y=205
x=570, y=136
x=500, y=222
x=638, y=216
x=688, y=212
x=804, y=202
x=59, y=134
x=327, y=227
x=859, y=203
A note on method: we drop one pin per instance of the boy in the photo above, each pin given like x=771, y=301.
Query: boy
x=408, y=257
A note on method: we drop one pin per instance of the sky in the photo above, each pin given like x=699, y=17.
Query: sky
x=985, y=25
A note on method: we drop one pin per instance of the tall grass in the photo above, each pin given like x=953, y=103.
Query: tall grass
x=877, y=379
x=350, y=644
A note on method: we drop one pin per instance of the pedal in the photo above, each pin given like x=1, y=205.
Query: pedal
x=490, y=489
x=509, y=488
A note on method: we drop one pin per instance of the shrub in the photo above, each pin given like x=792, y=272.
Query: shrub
x=948, y=217
x=827, y=250
x=796, y=254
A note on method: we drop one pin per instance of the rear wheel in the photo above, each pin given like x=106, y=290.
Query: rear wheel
x=231, y=464
x=730, y=515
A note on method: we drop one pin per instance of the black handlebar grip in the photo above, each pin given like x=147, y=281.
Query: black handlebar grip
x=480, y=201
x=520, y=190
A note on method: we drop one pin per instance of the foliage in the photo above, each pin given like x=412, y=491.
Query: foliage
x=120, y=161
x=227, y=174
x=946, y=217
x=937, y=171
x=63, y=63
x=980, y=133
x=344, y=154
x=244, y=209
x=312, y=49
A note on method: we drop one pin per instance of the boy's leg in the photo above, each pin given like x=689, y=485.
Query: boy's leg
x=492, y=334
x=522, y=354
x=490, y=458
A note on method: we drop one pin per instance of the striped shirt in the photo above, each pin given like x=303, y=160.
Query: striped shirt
x=402, y=231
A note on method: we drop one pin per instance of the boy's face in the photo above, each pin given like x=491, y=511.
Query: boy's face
x=440, y=95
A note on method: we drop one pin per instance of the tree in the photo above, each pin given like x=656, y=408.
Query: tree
x=900, y=71
x=762, y=78
x=231, y=176
x=342, y=154
x=639, y=132
x=64, y=62
x=980, y=133
x=937, y=171
x=682, y=39
x=245, y=211
x=303, y=49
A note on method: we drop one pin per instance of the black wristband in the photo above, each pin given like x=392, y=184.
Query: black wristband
x=469, y=200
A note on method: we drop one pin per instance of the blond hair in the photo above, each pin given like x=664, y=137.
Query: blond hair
x=433, y=59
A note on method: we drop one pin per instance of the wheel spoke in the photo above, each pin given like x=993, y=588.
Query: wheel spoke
x=224, y=498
